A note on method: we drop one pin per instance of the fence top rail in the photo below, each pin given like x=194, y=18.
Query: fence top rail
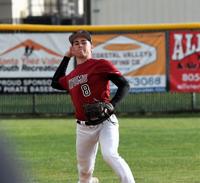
x=97, y=28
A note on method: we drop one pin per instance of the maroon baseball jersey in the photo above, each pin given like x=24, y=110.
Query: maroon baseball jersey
x=88, y=83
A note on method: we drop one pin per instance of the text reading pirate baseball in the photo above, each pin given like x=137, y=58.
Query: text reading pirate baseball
x=26, y=86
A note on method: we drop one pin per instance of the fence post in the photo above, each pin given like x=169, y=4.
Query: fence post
x=33, y=104
x=193, y=101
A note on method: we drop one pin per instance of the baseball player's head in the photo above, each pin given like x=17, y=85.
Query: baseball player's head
x=80, y=33
x=81, y=44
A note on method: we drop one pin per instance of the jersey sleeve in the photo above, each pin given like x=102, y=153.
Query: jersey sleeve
x=64, y=82
x=106, y=67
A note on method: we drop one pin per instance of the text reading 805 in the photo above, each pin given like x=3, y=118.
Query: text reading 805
x=191, y=77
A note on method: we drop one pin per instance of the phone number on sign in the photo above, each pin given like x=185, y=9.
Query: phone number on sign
x=146, y=81
x=191, y=77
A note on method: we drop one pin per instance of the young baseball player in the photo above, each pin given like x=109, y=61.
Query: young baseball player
x=88, y=86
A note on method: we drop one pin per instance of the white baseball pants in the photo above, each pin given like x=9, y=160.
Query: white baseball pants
x=107, y=135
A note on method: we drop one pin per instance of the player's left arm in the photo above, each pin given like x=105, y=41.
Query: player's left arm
x=122, y=88
x=100, y=111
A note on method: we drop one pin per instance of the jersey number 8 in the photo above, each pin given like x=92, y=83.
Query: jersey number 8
x=85, y=90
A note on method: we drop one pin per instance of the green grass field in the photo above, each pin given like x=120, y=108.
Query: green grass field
x=158, y=150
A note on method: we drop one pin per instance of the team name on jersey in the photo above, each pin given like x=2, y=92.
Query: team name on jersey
x=80, y=79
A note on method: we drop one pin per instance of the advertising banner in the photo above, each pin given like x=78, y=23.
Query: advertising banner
x=140, y=57
x=185, y=61
x=28, y=61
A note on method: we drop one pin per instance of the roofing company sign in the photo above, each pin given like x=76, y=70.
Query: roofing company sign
x=139, y=57
x=28, y=61
x=126, y=54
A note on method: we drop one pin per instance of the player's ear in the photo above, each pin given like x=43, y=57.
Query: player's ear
x=92, y=48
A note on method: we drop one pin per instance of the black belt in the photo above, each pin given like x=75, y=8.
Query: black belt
x=90, y=123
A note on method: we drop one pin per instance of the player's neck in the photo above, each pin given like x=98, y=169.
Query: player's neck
x=82, y=60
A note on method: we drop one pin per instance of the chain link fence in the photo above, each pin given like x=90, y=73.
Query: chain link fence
x=134, y=104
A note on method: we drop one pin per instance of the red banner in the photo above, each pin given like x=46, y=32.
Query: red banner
x=184, y=61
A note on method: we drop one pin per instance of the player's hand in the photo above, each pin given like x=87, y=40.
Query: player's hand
x=70, y=52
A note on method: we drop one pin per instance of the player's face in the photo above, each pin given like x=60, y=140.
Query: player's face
x=82, y=48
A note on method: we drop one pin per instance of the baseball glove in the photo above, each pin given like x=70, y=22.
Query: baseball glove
x=98, y=111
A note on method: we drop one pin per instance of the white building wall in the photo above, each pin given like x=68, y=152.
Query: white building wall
x=105, y=12
x=5, y=11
